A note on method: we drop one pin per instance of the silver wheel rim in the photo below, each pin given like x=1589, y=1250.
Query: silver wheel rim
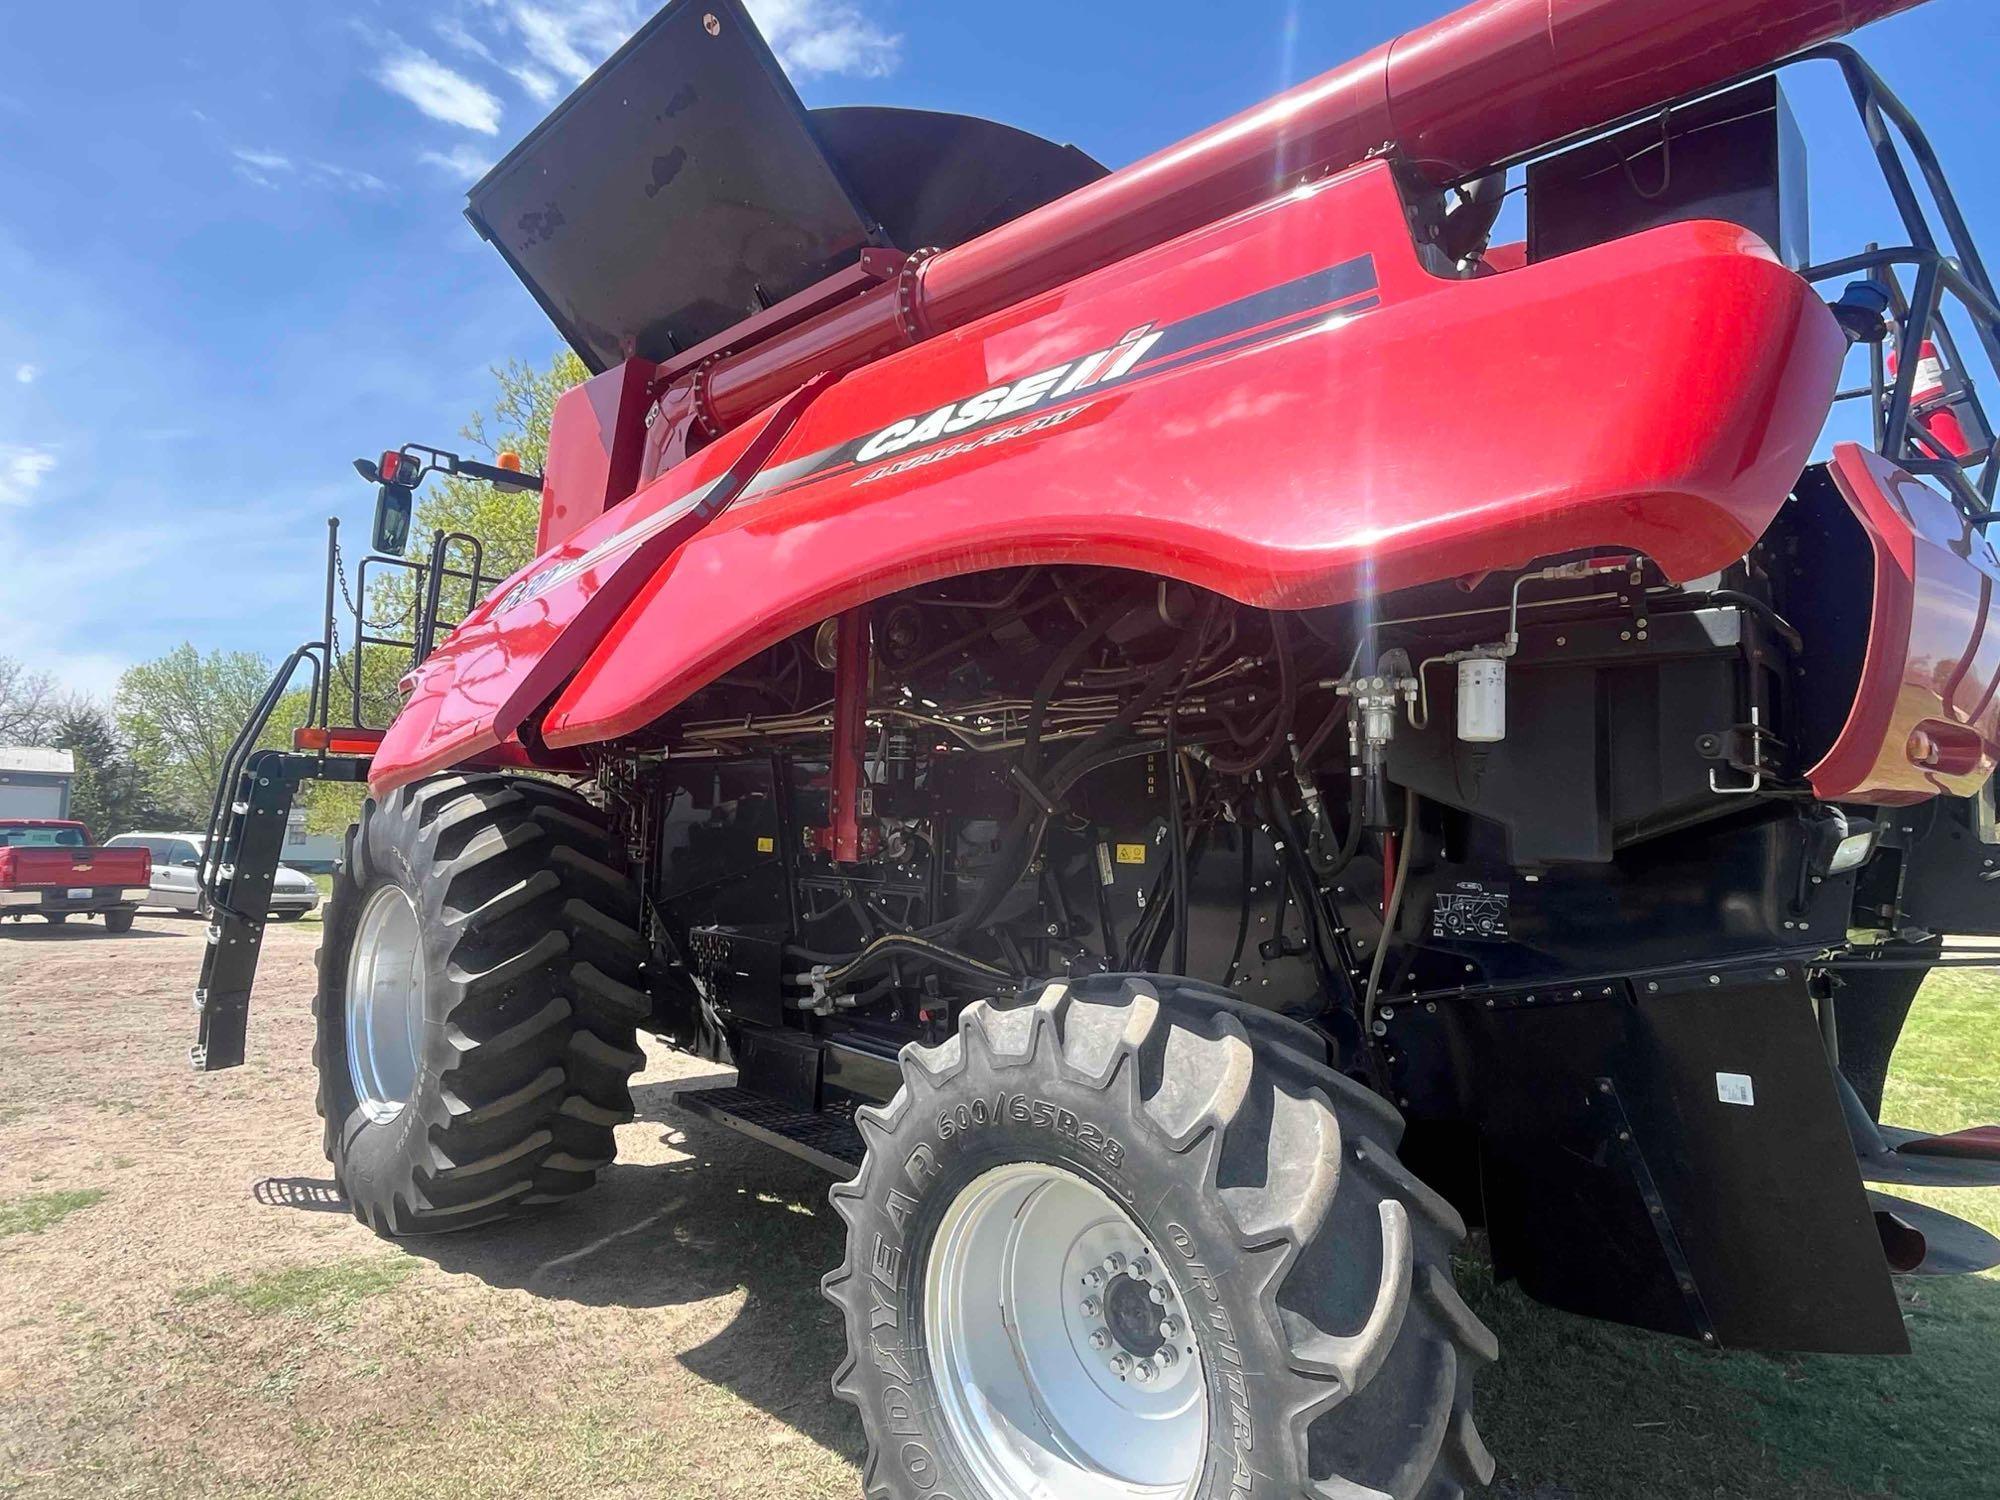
x=385, y=1004
x=1059, y=1347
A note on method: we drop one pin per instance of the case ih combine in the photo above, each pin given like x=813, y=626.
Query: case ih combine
x=1193, y=731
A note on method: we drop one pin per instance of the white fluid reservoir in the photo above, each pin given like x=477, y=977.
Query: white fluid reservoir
x=1482, y=700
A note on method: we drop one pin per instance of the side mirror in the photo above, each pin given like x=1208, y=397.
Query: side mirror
x=392, y=518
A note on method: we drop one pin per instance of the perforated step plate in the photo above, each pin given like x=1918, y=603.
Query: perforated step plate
x=827, y=1139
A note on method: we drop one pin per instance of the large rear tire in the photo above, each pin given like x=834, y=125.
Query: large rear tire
x=479, y=988
x=1054, y=1171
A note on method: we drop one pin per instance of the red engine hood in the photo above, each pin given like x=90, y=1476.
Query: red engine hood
x=1309, y=416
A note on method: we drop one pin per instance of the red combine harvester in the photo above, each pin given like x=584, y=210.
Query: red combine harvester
x=1192, y=731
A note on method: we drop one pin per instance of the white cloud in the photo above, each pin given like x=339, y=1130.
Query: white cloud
x=466, y=162
x=264, y=168
x=27, y=374
x=536, y=84
x=441, y=93
x=263, y=161
x=22, y=471
x=827, y=36
x=353, y=179
x=809, y=36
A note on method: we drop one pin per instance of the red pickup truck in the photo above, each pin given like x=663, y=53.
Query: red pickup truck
x=50, y=869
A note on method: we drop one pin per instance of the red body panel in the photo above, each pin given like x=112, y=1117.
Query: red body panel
x=597, y=440
x=1926, y=717
x=1290, y=453
x=511, y=653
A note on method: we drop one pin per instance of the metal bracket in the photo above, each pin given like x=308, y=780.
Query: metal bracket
x=1610, y=1112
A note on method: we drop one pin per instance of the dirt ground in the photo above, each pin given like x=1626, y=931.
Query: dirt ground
x=185, y=1308
x=215, y=1323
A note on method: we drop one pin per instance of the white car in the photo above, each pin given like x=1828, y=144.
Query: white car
x=177, y=871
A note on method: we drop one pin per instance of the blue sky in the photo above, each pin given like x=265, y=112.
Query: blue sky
x=231, y=255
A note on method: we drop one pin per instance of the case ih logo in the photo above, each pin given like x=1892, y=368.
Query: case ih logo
x=1003, y=401
x=1034, y=403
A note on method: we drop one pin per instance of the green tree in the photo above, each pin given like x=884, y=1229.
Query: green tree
x=505, y=523
x=112, y=792
x=181, y=713
x=29, y=704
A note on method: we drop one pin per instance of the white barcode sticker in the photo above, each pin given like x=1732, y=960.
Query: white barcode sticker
x=1736, y=1088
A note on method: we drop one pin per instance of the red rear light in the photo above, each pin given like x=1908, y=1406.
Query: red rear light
x=6, y=866
x=337, y=741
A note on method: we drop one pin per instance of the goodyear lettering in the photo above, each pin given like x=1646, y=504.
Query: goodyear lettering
x=1228, y=1360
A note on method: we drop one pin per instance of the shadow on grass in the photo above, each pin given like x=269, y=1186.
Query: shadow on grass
x=1591, y=1411
x=736, y=1216
x=1576, y=1410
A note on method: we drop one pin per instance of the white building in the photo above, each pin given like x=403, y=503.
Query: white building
x=34, y=783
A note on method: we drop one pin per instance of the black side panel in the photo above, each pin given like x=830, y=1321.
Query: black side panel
x=1620, y=1183
x=936, y=180
x=678, y=191
x=1951, y=875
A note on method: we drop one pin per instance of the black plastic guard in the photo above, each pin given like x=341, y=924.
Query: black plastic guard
x=1673, y=1156
x=238, y=878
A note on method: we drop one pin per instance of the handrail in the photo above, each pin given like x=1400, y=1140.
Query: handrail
x=238, y=758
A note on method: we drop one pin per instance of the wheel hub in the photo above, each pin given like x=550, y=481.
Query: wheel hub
x=385, y=1004
x=1058, y=1342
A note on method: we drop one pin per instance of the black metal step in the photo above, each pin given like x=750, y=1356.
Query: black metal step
x=827, y=1139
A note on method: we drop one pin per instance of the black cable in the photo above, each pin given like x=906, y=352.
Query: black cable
x=1017, y=848
x=1243, y=912
x=890, y=944
x=1282, y=713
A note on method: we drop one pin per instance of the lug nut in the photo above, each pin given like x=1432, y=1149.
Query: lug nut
x=1168, y=1356
x=1158, y=1293
x=1145, y=1374
x=1093, y=1277
x=1113, y=1263
x=1092, y=1307
x=1100, y=1340
x=1170, y=1328
x=1121, y=1363
x=1142, y=1268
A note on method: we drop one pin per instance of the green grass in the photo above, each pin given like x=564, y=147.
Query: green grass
x=37, y=1211
x=1586, y=1411
x=318, y=1291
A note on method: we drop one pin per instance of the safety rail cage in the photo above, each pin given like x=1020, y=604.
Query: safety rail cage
x=456, y=557
x=1943, y=266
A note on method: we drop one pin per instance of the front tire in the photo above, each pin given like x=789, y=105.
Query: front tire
x=479, y=987
x=1262, y=1194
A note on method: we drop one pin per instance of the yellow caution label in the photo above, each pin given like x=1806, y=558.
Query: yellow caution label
x=1131, y=854
x=767, y=846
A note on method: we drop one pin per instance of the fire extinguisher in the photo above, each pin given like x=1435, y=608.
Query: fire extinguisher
x=1931, y=398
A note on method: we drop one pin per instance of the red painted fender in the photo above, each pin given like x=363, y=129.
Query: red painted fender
x=1284, y=407
x=1926, y=714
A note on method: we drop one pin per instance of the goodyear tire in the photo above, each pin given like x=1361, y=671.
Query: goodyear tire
x=1301, y=1276
x=479, y=987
